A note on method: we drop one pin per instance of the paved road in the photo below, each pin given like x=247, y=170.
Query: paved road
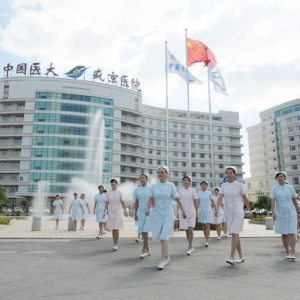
x=88, y=269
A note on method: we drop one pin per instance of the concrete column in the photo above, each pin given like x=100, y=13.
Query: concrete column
x=269, y=223
x=70, y=224
x=36, y=224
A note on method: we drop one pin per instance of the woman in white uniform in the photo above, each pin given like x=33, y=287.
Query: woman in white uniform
x=77, y=209
x=233, y=192
x=58, y=209
x=86, y=210
x=141, y=196
x=286, y=212
x=218, y=216
x=205, y=210
x=99, y=206
x=161, y=196
x=189, y=201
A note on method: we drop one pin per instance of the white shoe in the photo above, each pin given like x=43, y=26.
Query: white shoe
x=192, y=250
x=189, y=252
x=224, y=235
x=99, y=237
x=161, y=266
x=206, y=245
x=238, y=261
x=55, y=227
x=218, y=238
x=146, y=254
x=167, y=262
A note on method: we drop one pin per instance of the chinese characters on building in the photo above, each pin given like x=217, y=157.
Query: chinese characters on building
x=35, y=69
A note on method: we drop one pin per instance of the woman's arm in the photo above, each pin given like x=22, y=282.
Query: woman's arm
x=70, y=208
x=296, y=206
x=87, y=205
x=81, y=208
x=124, y=207
x=149, y=204
x=136, y=207
x=246, y=201
x=62, y=208
x=273, y=208
x=219, y=201
x=179, y=204
x=95, y=205
x=105, y=209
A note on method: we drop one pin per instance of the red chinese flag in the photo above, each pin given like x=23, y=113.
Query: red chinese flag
x=199, y=52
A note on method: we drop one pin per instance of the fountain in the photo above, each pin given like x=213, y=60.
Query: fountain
x=39, y=201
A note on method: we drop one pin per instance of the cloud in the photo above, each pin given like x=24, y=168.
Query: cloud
x=255, y=43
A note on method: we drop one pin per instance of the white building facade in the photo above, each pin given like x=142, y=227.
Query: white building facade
x=274, y=145
x=44, y=135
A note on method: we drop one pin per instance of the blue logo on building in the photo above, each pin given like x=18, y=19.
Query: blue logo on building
x=76, y=72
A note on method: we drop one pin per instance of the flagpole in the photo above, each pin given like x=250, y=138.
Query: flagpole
x=188, y=102
x=210, y=129
x=167, y=105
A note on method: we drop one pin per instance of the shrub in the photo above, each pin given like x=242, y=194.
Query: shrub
x=4, y=221
x=261, y=219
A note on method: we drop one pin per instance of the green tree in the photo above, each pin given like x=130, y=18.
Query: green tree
x=4, y=201
x=25, y=204
x=263, y=201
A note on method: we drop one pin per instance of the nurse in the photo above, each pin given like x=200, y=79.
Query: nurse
x=189, y=201
x=286, y=212
x=99, y=206
x=161, y=196
x=141, y=196
x=114, y=206
x=218, y=216
x=77, y=209
x=86, y=210
x=58, y=209
x=233, y=192
x=205, y=210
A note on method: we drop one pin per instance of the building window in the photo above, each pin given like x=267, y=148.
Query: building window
x=133, y=159
x=175, y=134
x=294, y=167
x=150, y=151
x=193, y=154
x=293, y=157
x=219, y=138
x=193, y=145
x=183, y=135
x=267, y=184
x=150, y=161
x=291, y=138
x=295, y=180
x=193, y=174
x=220, y=147
x=193, y=136
x=291, y=129
x=249, y=186
x=175, y=154
x=202, y=155
x=183, y=164
x=183, y=174
x=220, y=156
x=183, y=126
x=175, y=173
x=193, y=165
x=201, y=137
x=183, y=145
x=202, y=165
x=158, y=152
x=150, y=141
x=183, y=154
x=175, y=163
x=202, y=175
x=221, y=166
x=159, y=162
x=266, y=154
x=261, y=184
x=133, y=170
x=174, y=125
x=292, y=148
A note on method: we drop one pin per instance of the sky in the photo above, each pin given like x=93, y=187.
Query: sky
x=256, y=44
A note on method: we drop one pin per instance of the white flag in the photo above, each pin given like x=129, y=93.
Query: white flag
x=174, y=66
x=217, y=79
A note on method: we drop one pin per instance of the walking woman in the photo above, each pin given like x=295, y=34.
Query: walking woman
x=233, y=192
x=161, y=196
x=58, y=209
x=218, y=216
x=205, y=210
x=114, y=206
x=99, y=206
x=189, y=201
x=286, y=212
x=141, y=196
x=77, y=209
x=86, y=210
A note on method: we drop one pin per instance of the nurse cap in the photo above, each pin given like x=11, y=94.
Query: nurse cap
x=164, y=167
x=232, y=168
x=58, y=195
x=146, y=174
x=283, y=173
x=116, y=179
x=75, y=193
x=83, y=193
x=217, y=188
x=186, y=176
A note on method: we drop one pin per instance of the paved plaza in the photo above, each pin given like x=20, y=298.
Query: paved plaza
x=62, y=264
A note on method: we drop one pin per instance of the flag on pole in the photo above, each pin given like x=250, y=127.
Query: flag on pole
x=217, y=79
x=199, y=52
x=174, y=66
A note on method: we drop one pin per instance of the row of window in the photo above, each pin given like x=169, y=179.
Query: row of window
x=293, y=138
x=65, y=153
x=49, y=95
x=288, y=110
x=54, y=106
x=63, y=188
x=68, y=130
x=291, y=120
x=66, y=165
x=12, y=129
x=74, y=119
x=10, y=152
x=10, y=141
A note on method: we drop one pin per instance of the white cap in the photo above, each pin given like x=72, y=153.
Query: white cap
x=164, y=167
x=83, y=193
x=146, y=174
x=204, y=181
x=283, y=173
x=231, y=167
x=186, y=176
x=116, y=179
